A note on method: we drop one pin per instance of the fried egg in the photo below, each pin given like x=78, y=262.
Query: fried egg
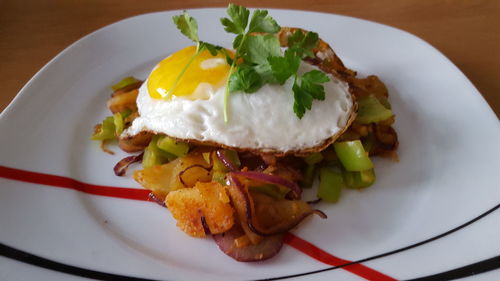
x=262, y=122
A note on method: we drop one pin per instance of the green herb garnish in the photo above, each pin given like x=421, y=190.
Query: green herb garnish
x=189, y=27
x=263, y=62
x=245, y=78
x=258, y=59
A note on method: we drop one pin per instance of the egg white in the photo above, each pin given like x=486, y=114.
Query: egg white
x=262, y=121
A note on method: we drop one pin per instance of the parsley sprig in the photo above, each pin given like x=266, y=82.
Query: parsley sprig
x=258, y=58
x=263, y=62
x=189, y=27
x=245, y=78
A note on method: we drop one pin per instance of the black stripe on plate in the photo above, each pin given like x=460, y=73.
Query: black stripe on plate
x=479, y=267
x=461, y=272
x=28, y=258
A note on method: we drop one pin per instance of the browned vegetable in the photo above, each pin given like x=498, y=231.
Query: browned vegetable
x=127, y=88
x=164, y=178
x=205, y=203
x=135, y=143
x=264, y=215
x=386, y=142
x=370, y=85
x=233, y=244
x=122, y=102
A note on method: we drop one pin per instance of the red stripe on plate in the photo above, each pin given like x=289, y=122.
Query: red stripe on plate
x=324, y=257
x=64, y=182
x=143, y=195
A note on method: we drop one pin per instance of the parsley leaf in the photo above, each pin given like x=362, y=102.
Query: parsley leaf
x=213, y=49
x=245, y=79
x=310, y=89
x=259, y=47
x=302, y=100
x=302, y=44
x=284, y=67
x=261, y=22
x=312, y=81
x=187, y=25
x=239, y=19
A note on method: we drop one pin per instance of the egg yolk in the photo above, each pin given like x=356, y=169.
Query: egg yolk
x=205, y=68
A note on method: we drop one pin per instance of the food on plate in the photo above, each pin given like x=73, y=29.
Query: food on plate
x=229, y=137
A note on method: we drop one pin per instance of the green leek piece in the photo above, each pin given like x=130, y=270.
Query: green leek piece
x=309, y=174
x=313, y=158
x=330, y=185
x=119, y=120
x=119, y=124
x=219, y=176
x=271, y=190
x=370, y=110
x=106, y=131
x=357, y=180
x=151, y=158
x=232, y=156
x=154, y=156
x=385, y=102
x=218, y=166
x=206, y=157
x=352, y=155
x=172, y=146
x=127, y=81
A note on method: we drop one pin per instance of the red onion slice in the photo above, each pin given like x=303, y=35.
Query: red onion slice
x=223, y=158
x=267, y=248
x=244, y=206
x=295, y=189
x=204, y=223
x=157, y=199
x=121, y=167
x=189, y=168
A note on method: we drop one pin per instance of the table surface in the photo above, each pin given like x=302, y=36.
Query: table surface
x=467, y=32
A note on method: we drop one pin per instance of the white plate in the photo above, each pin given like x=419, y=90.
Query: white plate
x=447, y=176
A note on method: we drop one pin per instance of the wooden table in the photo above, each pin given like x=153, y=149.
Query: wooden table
x=467, y=32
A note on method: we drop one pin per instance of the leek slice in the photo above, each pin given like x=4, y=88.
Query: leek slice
x=330, y=185
x=353, y=156
x=154, y=156
x=172, y=146
x=358, y=180
x=127, y=81
x=371, y=110
x=106, y=131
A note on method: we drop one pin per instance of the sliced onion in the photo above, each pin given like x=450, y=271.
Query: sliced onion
x=295, y=190
x=267, y=248
x=245, y=209
x=204, y=223
x=223, y=158
x=122, y=166
x=157, y=199
x=189, y=168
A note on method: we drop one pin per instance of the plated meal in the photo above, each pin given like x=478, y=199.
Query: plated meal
x=229, y=137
